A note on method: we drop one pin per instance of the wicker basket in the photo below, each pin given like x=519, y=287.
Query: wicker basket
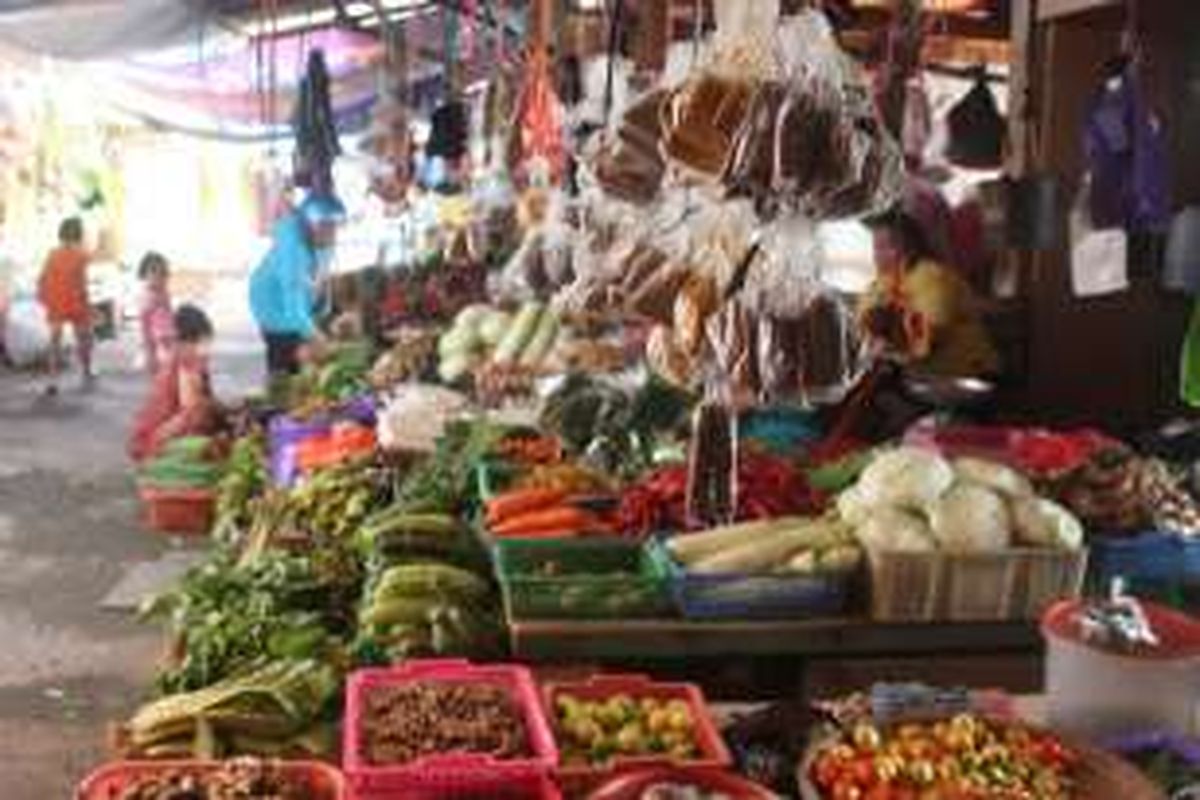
x=1009, y=585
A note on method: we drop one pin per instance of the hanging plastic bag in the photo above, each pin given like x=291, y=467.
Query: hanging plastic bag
x=976, y=128
x=917, y=126
x=1099, y=257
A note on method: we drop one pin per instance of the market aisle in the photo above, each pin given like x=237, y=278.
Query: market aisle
x=68, y=535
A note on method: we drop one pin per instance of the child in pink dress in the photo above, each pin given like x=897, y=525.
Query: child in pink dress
x=157, y=320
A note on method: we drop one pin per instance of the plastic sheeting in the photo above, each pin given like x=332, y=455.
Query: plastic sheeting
x=96, y=29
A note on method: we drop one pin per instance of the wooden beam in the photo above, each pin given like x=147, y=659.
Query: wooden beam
x=1056, y=9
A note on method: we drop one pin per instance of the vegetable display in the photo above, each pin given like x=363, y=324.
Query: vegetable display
x=273, y=711
x=968, y=757
x=481, y=336
x=767, y=487
x=911, y=499
x=592, y=732
x=426, y=594
x=237, y=779
x=244, y=481
x=230, y=617
x=796, y=544
x=189, y=462
x=403, y=723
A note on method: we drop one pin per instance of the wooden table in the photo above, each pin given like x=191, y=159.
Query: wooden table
x=744, y=659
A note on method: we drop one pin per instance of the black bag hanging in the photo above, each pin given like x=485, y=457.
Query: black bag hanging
x=976, y=128
x=316, y=131
x=449, y=130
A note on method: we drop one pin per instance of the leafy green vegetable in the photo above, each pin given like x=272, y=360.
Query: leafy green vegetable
x=614, y=429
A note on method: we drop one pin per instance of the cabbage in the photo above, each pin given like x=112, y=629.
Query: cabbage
x=852, y=506
x=906, y=477
x=890, y=530
x=970, y=519
x=493, y=327
x=1044, y=523
x=997, y=477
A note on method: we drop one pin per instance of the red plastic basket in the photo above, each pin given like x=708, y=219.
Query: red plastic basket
x=577, y=781
x=322, y=781
x=449, y=776
x=183, y=511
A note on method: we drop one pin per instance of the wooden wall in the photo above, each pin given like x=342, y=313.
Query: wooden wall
x=1110, y=360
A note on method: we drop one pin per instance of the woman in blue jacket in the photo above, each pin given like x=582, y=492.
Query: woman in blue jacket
x=283, y=288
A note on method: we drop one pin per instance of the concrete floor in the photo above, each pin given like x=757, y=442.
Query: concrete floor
x=68, y=533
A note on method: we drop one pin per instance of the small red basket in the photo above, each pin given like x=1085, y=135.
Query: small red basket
x=450, y=776
x=182, y=511
x=321, y=781
x=578, y=781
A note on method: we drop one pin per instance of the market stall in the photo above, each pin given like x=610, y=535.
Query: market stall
x=644, y=441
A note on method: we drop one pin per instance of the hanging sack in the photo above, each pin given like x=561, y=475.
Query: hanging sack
x=976, y=129
x=1099, y=256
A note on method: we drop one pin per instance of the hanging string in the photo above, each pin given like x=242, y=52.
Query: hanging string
x=614, y=47
x=697, y=31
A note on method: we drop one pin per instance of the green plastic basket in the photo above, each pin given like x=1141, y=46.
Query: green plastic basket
x=580, y=579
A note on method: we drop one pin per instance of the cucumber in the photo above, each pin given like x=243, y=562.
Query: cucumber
x=542, y=341
x=419, y=580
x=517, y=337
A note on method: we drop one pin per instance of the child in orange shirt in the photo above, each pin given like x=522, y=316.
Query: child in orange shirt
x=62, y=290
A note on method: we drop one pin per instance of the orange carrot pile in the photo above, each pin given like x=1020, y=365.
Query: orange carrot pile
x=543, y=513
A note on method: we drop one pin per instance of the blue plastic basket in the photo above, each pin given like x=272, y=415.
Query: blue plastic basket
x=736, y=596
x=1154, y=565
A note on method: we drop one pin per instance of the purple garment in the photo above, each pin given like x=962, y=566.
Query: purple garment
x=1125, y=148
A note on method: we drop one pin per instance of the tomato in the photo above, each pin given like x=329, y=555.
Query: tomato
x=862, y=770
x=880, y=791
x=827, y=771
x=846, y=790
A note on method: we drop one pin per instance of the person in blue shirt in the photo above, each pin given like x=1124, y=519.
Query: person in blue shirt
x=283, y=288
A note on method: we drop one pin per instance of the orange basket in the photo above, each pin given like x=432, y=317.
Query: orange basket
x=181, y=511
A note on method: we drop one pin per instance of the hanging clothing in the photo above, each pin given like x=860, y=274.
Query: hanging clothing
x=283, y=286
x=1126, y=154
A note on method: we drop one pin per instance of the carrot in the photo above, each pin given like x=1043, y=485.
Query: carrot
x=521, y=501
x=563, y=520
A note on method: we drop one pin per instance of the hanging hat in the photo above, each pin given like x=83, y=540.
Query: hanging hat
x=1182, y=269
x=976, y=129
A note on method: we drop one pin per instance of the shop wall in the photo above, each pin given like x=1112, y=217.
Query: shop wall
x=1110, y=360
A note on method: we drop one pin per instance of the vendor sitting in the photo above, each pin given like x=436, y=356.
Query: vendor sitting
x=921, y=312
x=181, y=401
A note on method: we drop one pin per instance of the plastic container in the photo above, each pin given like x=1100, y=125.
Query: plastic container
x=1097, y=693
x=1010, y=585
x=284, y=437
x=178, y=511
x=577, y=781
x=579, y=579
x=285, y=434
x=321, y=781
x=767, y=596
x=1156, y=565
x=448, y=775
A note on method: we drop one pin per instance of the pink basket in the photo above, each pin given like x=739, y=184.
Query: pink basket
x=577, y=781
x=450, y=776
x=322, y=781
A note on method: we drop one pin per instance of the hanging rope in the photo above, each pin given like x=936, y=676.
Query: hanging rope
x=614, y=48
